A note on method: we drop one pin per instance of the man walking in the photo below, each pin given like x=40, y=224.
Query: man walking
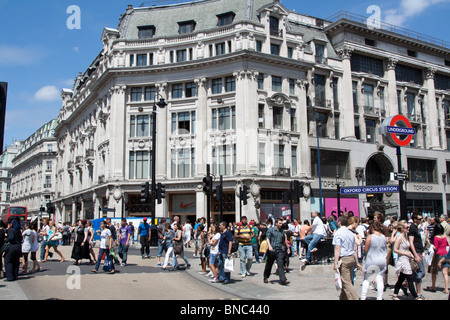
x=416, y=247
x=318, y=233
x=225, y=244
x=275, y=238
x=144, y=238
x=114, y=244
x=244, y=234
x=124, y=241
x=345, y=258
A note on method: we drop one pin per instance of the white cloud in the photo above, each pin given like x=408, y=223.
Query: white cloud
x=47, y=93
x=19, y=56
x=408, y=9
x=76, y=49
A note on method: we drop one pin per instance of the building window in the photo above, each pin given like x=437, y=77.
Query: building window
x=141, y=60
x=274, y=26
x=370, y=131
x=146, y=32
x=382, y=102
x=262, y=158
x=225, y=19
x=261, y=81
x=360, y=63
x=258, y=45
x=320, y=53
x=220, y=49
x=421, y=170
x=292, y=86
x=441, y=82
x=181, y=55
x=184, y=163
x=335, y=93
x=136, y=94
x=191, y=90
x=261, y=120
x=337, y=135
x=222, y=160
x=294, y=160
x=368, y=98
x=276, y=84
x=224, y=118
x=322, y=124
x=290, y=52
x=140, y=126
x=150, y=93
x=408, y=74
x=177, y=91
x=183, y=123
x=293, y=120
x=186, y=27
x=274, y=49
x=217, y=86
x=331, y=163
x=230, y=84
x=410, y=104
x=355, y=96
x=399, y=101
x=319, y=86
x=278, y=153
x=278, y=117
x=370, y=42
x=139, y=165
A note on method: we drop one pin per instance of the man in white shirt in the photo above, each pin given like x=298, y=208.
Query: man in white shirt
x=319, y=232
x=187, y=229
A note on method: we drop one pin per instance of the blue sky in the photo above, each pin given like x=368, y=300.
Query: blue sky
x=39, y=55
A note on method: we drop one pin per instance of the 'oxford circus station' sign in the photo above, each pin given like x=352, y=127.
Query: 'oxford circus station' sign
x=397, y=130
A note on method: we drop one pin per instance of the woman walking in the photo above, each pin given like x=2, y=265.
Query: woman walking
x=26, y=246
x=375, y=261
x=202, y=244
x=168, y=242
x=91, y=241
x=214, y=252
x=105, y=248
x=2, y=241
x=80, y=249
x=34, y=248
x=179, y=245
x=440, y=245
x=403, y=266
x=52, y=243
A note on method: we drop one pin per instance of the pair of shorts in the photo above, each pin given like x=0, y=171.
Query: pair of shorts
x=213, y=258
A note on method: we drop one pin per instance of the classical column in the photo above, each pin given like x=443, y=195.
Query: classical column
x=302, y=121
x=201, y=130
x=117, y=132
x=432, y=118
x=347, y=114
x=161, y=134
x=392, y=107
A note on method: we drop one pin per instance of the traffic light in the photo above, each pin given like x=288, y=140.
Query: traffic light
x=50, y=208
x=298, y=191
x=160, y=192
x=145, y=189
x=207, y=185
x=127, y=206
x=218, y=193
x=244, y=195
x=78, y=206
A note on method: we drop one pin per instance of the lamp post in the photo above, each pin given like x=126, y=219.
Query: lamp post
x=338, y=193
x=161, y=104
x=319, y=123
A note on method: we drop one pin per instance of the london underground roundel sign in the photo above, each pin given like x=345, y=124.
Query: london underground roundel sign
x=397, y=130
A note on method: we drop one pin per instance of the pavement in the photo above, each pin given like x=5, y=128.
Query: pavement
x=313, y=282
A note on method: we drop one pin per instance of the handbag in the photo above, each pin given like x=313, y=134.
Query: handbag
x=5, y=247
x=229, y=265
x=414, y=264
x=57, y=237
x=107, y=265
x=178, y=246
x=338, y=280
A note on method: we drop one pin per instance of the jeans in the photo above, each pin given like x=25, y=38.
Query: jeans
x=223, y=276
x=246, y=258
x=273, y=256
x=161, y=247
x=100, y=255
x=419, y=274
x=312, y=241
x=43, y=247
x=123, y=252
x=169, y=253
x=175, y=261
x=255, y=247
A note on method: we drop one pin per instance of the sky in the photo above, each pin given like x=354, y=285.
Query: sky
x=40, y=54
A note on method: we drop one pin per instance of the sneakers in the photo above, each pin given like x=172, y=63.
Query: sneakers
x=214, y=280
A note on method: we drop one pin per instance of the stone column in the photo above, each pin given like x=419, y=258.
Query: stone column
x=347, y=114
x=161, y=134
x=201, y=130
x=302, y=122
x=433, y=117
x=391, y=108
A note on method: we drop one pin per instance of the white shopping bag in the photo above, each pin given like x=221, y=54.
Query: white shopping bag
x=429, y=256
x=229, y=265
x=338, y=280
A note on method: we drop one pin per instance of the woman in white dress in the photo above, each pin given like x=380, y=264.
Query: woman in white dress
x=375, y=261
x=402, y=265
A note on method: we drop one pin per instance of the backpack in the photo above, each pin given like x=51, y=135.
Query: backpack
x=235, y=244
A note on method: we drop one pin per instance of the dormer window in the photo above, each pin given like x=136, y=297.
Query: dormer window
x=225, y=19
x=186, y=27
x=146, y=32
x=274, y=26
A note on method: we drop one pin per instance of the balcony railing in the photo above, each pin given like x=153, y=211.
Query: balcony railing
x=276, y=33
x=371, y=110
x=414, y=117
x=281, y=172
x=322, y=103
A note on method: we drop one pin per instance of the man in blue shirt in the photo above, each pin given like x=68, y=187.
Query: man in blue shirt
x=144, y=236
x=225, y=244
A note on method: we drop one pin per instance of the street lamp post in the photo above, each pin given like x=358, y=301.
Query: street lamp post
x=338, y=193
x=161, y=104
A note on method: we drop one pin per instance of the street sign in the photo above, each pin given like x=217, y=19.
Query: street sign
x=370, y=189
x=109, y=209
x=400, y=176
x=397, y=130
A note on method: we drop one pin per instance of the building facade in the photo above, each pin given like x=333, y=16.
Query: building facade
x=5, y=173
x=33, y=171
x=258, y=92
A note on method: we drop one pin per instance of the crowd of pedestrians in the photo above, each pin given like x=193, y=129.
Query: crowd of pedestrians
x=372, y=245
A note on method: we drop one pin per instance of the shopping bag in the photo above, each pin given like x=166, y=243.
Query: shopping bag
x=229, y=265
x=107, y=266
x=429, y=256
x=338, y=280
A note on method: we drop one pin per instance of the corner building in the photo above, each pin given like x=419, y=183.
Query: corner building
x=249, y=86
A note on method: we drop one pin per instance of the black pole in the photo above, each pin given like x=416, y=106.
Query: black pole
x=221, y=199
x=402, y=192
x=338, y=190
x=291, y=198
x=240, y=203
x=208, y=200
x=153, y=187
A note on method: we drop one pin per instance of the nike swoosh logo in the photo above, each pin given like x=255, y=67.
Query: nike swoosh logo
x=184, y=206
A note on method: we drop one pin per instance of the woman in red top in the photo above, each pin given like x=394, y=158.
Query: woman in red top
x=440, y=245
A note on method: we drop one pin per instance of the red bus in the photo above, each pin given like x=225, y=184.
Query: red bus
x=13, y=211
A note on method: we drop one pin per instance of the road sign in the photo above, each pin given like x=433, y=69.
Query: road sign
x=370, y=189
x=400, y=176
x=397, y=130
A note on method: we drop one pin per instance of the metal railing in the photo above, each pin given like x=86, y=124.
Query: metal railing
x=389, y=27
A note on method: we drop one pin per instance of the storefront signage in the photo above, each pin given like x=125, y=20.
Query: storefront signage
x=371, y=189
x=422, y=188
x=397, y=130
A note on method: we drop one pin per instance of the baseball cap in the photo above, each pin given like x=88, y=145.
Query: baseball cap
x=145, y=219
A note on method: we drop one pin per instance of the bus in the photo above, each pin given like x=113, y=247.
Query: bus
x=13, y=211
